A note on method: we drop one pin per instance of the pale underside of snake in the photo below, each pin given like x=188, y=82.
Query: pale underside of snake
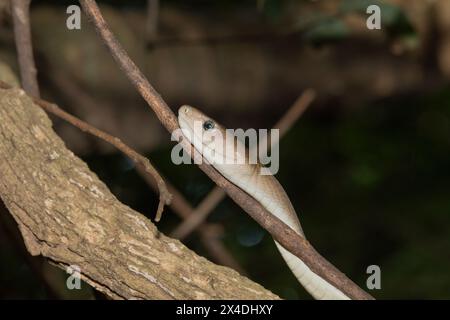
x=203, y=133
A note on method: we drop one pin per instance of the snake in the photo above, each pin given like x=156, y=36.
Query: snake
x=209, y=138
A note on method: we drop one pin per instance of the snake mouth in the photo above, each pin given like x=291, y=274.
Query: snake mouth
x=183, y=120
x=187, y=121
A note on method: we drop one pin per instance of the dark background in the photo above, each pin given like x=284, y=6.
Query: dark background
x=366, y=167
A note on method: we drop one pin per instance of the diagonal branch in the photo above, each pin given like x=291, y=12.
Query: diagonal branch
x=279, y=230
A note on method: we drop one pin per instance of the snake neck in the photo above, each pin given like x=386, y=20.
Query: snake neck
x=268, y=191
x=265, y=189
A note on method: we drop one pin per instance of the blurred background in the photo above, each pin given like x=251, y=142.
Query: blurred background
x=367, y=166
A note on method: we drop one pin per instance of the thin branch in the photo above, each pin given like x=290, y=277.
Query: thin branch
x=287, y=237
x=200, y=214
x=217, y=194
x=164, y=195
x=22, y=35
x=292, y=115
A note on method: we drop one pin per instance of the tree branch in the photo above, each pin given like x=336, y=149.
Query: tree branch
x=287, y=237
x=22, y=35
x=68, y=215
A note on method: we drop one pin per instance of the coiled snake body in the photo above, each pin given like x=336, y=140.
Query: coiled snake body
x=203, y=133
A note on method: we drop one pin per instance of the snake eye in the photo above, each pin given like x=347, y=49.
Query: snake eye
x=208, y=125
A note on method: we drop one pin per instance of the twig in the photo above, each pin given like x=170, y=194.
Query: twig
x=217, y=194
x=200, y=214
x=22, y=35
x=164, y=195
x=292, y=115
x=287, y=237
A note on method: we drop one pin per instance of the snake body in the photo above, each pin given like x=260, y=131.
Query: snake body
x=202, y=131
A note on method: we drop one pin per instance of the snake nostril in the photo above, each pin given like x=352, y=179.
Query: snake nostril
x=184, y=110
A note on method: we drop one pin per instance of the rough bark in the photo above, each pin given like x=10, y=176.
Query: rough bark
x=68, y=215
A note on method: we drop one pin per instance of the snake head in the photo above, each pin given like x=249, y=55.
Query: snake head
x=202, y=131
x=195, y=124
x=214, y=142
